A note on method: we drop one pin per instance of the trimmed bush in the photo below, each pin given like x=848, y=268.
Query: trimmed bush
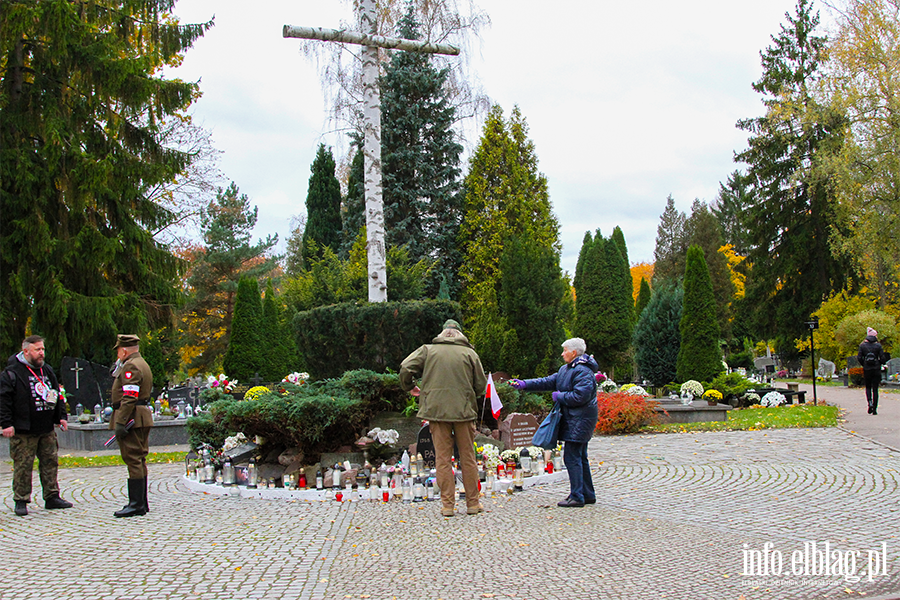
x=621, y=412
x=317, y=417
x=376, y=336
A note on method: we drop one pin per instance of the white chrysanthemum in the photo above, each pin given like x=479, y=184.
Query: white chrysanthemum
x=773, y=399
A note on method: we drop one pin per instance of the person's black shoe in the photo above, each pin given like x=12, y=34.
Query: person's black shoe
x=591, y=501
x=56, y=502
x=569, y=503
x=21, y=508
x=874, y=412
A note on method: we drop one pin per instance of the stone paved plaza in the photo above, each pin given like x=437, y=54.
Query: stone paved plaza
x=675, y=515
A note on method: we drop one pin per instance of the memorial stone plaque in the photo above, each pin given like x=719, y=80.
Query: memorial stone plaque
x=104, y=379
x=77, y=377
x=425, y=446
x=517, y=430
x=893, y=366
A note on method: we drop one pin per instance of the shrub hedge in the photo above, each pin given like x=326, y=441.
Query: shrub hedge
x=376, y=336
x=620, y=412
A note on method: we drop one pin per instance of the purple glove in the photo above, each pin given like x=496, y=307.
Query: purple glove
x=557, y=396
x=517, y=383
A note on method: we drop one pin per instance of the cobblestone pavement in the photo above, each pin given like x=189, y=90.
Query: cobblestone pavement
x=676, y=516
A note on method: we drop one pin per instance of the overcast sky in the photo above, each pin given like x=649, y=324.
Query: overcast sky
x=627, y=102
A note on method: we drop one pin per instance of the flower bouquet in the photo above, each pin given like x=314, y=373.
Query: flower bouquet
x=691, y=389
x=379, y=444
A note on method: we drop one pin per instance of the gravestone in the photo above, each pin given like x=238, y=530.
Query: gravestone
x=826, y=368
x=425, y=446
x=104, y=379
x=517, y=429
x=763, y=364
x=183, y=393
x=893, y=366
x=77, y=377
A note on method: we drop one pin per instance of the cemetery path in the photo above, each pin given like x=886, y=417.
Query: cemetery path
x=683, y=516
x=883, y=427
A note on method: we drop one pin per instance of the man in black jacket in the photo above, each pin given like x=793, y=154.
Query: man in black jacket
x=871, y=357
x=30, y=408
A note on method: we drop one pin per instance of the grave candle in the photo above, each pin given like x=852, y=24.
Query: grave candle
x=525, y=461
x=301, y=483
x=489, y=481
x=418, y=490
x=519, y=479
x=252, y=474
x=336, y=476
x=320, y=481
x=228, y=473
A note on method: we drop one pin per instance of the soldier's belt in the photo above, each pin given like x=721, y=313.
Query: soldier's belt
x=116, y=405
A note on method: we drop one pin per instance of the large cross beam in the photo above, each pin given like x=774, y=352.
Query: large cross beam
x=371, y=41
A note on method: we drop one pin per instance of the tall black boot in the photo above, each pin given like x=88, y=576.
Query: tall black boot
x=135, y=506
x=146, y=504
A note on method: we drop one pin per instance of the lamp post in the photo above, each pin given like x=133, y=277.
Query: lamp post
x=813, y=325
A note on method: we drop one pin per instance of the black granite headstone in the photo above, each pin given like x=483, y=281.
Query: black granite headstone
x=104, y=380
x=425, y=446
x=77, y=377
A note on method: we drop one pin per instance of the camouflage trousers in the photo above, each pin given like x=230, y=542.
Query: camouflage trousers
x=22, y=449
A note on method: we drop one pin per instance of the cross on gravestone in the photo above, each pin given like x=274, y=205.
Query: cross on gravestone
x=77, y=369
x=375, y=249
x=255, y=379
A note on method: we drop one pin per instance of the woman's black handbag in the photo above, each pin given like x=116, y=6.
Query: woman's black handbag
x=547, y=434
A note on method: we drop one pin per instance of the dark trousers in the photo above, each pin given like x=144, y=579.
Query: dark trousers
x=581, y=482
x=134, y=448
x=872, y=379
x=22, y=449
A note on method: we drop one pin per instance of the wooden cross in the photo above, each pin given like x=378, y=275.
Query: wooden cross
x=375, y=250
x=76, y=368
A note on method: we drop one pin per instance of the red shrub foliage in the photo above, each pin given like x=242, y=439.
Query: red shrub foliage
x=624, y=413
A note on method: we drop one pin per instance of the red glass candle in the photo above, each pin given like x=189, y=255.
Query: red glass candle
x=549, y=467
x=301, y=483
x=501, y=470
x=339, y=496
x=386, y=495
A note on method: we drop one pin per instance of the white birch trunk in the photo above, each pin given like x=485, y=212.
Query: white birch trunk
x=372, y=160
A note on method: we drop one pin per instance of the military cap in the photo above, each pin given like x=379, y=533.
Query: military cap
x=126, y=340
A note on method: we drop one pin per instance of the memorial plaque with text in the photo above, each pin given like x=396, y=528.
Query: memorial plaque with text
x=425, y=446
x=517, y=430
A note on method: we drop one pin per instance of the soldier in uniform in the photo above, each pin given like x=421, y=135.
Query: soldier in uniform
x=130, y=397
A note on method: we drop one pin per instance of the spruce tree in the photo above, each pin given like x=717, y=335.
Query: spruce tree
x=793, y=217
x=670, y=245
x=699, y=356
x=214, y=273
x=657, y=338
x=421, y=160
x=579, y=266
x=323, y=208
x=83, y=108
x=506, y=196
x=730, y=208
x=244, y=358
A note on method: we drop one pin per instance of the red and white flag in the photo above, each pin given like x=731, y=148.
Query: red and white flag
x=491, y=393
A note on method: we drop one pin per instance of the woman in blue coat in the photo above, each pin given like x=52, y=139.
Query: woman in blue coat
x=575, y=390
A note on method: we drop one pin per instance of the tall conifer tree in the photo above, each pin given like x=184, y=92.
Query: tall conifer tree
x=214, y=274
x=699, y=356
x=506, y=197
x=82, y=109
x=244, y=358
x=421, y=160
x=657, y=339
x=323, y=208
x=793, y=215
x=670, y=248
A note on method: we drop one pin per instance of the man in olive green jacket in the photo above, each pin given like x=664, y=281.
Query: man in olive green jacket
x=451, y=379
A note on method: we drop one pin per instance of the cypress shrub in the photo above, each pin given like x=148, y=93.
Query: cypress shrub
x=244, y=357
x=699, y=356
x=656, y=336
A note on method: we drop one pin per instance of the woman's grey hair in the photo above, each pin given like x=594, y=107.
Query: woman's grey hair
x=576, y=344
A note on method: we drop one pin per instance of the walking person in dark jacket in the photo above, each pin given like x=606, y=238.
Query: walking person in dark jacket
x=871, y=357
x=30, y=408
x=576, y=392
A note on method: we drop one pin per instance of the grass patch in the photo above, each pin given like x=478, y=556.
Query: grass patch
x=71, y=462
x=754, y=419
x=832, y=383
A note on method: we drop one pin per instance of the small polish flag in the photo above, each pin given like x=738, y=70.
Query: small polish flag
x=491, y=393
